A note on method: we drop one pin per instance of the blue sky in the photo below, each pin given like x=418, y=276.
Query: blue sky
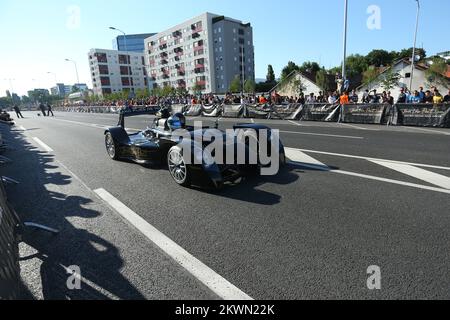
x=38, y=35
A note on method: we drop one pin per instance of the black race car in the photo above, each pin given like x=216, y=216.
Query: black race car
x=158, y=144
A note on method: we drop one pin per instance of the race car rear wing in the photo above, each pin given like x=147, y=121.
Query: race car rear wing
x=136, y=111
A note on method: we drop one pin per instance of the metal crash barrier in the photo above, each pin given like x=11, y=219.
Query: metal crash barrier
x=9, y=252
x=321, y=112
x=425, y=115
x=366, y=113
x=422, y=115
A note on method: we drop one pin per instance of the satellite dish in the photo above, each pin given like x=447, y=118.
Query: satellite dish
x=417, y=58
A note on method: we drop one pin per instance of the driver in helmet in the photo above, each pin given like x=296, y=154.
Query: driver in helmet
x=177, y=121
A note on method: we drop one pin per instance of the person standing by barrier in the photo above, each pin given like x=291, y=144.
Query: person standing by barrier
x=49, y=110
x=421, y=95
x=447, y=97
x=42, y=107
x=344, y=99
x=402, y=97
x=415, y=98
x=437, y=99
x=354, y=97
x=428, y=97
x=390, y=98
x=18, y=113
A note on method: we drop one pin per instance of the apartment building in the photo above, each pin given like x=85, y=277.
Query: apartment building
x=203, y=54
x=131, y=42
x=115, y=71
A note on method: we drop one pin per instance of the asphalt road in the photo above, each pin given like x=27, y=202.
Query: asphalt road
x=354, y=196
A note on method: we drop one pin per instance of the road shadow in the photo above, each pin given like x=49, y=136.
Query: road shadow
x=98, y=259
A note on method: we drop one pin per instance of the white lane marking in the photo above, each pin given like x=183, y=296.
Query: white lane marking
x=325, y=168
x=375, y=159
x=427, y=130
x=418, y=173
x=397, y=182
x=43, y=145
x=358, y=127
x=252, y=120
x=295, y=123
x=22, y=128
x=322, y=135
x=200, y=271
x=303, y=159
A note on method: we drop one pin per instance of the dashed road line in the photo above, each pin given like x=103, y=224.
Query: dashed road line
x=196, y=268
x=43, y=145
x=418, y=173
x=323, y=135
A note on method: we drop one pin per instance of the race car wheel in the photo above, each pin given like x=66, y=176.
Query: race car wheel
x=177, y=167
x=110, y=146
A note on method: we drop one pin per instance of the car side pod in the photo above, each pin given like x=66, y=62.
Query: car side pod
x=213, y=173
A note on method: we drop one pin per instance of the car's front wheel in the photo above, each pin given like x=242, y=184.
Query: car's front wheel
x=111, y=147
x=177, y=167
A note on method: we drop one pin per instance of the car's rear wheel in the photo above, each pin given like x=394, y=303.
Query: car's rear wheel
x=177, y=167
x=111, y=147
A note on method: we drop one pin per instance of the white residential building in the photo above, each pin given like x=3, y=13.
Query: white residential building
x=115, y=71
x=203, y=54
x=403, y=69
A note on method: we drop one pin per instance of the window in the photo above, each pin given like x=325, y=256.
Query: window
x=125, y=81
x=125, y=70
x=105, y=81
x=241, y=32
x=103, y=69
x=101, y=57
x=408, y=75
x=124, y=59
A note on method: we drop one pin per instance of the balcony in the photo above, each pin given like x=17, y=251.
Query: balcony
x=177, y=34
x=163, y=47
x=164, y=61
x=181, y=73
x=166, y=76
x=199, y=66
x=196, y=35
x=199, y=70
x=163, y=55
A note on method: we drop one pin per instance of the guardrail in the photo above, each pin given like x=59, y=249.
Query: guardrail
x=9, y=251
x=427, y=115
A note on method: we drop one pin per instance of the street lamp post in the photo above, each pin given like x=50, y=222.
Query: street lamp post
x=76, y=69
x=243, y=71
x=124, y=37
x=54, y=75
x=125, y=42
x=344, y=71
x=414, y=47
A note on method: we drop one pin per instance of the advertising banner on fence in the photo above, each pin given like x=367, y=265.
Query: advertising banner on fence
x=364, y=113
x=211, y=111
x=194, y=110
x=320, y=112
x=233, y=111
x=422, y=115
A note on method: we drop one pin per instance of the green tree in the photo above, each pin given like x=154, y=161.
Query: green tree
x=370, y=75
x=407, y=53
x=436, y=73
x=298, y=86
x=235, y=86
x=379, y=58
x=356, y=64
x=288, y=70
x=390, y=80
x=309, y=67
x=322, y=80
x=249, y=86
x=270, y=78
